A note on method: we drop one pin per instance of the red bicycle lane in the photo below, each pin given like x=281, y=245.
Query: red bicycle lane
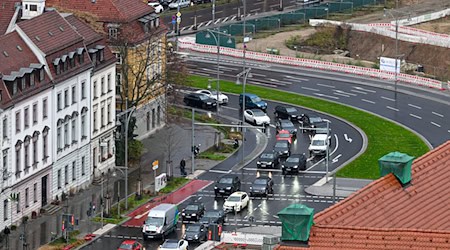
x=139, y=215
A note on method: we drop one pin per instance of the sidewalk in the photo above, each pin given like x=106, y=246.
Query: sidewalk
x=344, y=186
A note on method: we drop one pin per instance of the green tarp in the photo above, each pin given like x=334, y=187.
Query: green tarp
x=397, y=163
x=296, y=220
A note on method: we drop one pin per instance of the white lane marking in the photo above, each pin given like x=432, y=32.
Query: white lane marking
x=219, y=171
x=348, y=138
x=366, y=90
x=263, y=169
x=274, y=80
x=365, y=100
x=329, y=96
x=219, y=11
x=416, y=116
x=440, y=115
x=256, y=74
x=391, y=108
x=233, y=17
x=200, y=73
x=435, y=124
x=310, y=89
x=325, y=85
x=258, y=3
x=387, y=98
x=360, y=92
x=344, y=95
x=297, y=78
x=212, y=70
x=231, y=108
x=414, y=106
x=336, y=159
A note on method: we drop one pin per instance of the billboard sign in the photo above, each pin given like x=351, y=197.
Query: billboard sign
x=388, y=64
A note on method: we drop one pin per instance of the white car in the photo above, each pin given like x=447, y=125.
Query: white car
x=157, y=6
x=256, y=116
x=174, y=245
x=236, y=201
x=181, y=3
x=223, y=99
x=318, y=145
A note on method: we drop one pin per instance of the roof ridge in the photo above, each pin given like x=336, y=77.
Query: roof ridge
x=420, y=161
x=379, y=229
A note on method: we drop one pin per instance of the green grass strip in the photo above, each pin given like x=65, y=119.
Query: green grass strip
x=383, y=136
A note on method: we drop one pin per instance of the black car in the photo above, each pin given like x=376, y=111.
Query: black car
x=193, y=212
x=216, y=216
x=290, y=113
x=227, y=185
x=285, y=124
x=310, y=121
x=268, y=160
x=282, y=148
x=294, y=164
x=321, y=128
x=195, y=233
x=262, y=186
x=200, y=101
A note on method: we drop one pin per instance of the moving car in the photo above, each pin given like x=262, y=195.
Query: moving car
x=179, y=3
x=174, y=245
x=223, y=99
x=236, y=202
x=157, y=6
x=310, y=121
x=318, y=145
x=193, y=212
x=268, y=160
x=262, y=185
x=227, y=184
x=215, y=216
x=282, y=148
x=290, y=113
x=284, y=135
x=161, y=220
x=285, y=124
x=195, y=232
x=131, y=245
x=256, y=116
x=199, y=100
x=294, y=164
x=252, y=101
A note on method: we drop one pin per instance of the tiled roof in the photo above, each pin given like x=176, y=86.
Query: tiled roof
x=6, y=14
x=120, y=11
x=14, y=53
x=88, y=34
x=50, y=32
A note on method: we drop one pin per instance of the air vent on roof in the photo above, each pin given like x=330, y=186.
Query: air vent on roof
x=397, y=163
x=50, y=33
x=37, y=38
x=298, y=231
x=61, y=28
x=5, y=53
x=19, y=48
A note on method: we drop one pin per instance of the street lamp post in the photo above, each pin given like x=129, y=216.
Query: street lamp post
x=195, y=16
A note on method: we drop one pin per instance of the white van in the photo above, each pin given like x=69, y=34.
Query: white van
x=161, y=220
x=318, y=145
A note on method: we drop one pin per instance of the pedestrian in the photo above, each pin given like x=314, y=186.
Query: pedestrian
x=182, y=167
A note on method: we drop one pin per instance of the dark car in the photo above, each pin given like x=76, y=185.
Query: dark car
x=282, y=148
x=285, y=124
x=193, y=212
x=290, y=113
x=252, y=101
x=227, y=185
x=294, y=164
x=216, y=216
x=310, y=121
x=195, y=232
x=200, y=101
x=268, y=160
x=321, y=128
x=262, y=186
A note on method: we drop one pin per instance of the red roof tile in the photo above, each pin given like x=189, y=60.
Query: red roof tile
x=14, y=53
x=50, y=32
x=6, y=14
x=88, y=34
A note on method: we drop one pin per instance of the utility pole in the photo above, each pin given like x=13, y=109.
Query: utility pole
x=244, y=3
x=193, y=142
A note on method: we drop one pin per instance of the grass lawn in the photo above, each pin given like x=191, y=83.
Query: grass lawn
x=384, y=136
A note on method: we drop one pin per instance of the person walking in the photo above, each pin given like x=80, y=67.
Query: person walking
x=182, y=167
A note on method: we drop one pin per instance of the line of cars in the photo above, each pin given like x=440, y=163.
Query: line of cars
x=162, y=5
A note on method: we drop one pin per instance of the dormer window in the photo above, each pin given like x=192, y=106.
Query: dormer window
x=72, y=62
x=112, y=33
x=32, y=79
x=15, y=87
x=33, y=7
x=23, y=82
x=101, y=54
x=41, y=75
x=58, y=69
x=66, y=65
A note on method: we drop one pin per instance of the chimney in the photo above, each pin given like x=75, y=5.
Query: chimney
x=297, y=220
x=397, y=163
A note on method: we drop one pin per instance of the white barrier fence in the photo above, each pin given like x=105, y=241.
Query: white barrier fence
x=242, y=238
x=190, y=44
x=424, y=18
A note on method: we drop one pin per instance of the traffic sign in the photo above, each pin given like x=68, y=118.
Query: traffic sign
x=155, y=165
x=178, y=14
x=178, y=19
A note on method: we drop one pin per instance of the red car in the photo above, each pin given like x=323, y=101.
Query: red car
x=284, y=135
x=131, y=245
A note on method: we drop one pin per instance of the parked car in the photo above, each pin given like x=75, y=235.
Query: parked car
x=236, y=201
x=199, y=101
x=201, y=1
x=282, y=148
x=284, y=135
x=290, y=113
x=262, y=185
x=294, y=164
x=195, y=232
x=165, y=3
x=268, y=160
x=174, y=245
x=252, y=101
x=157, y=6
x=131, y=245
x=223, y=99
x=179, y=3
x=215, y=216
x=256, y=116
x=318, y=145
x=193, y=212
x=227, y=184
x=285, y=124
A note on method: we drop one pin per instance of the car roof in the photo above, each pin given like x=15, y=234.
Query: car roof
x=171, y=240
x=282, y=141
x=283, y=131
x=249, y=95
x=238, y=193
x=263, y=177
x=320, y=137
x=128, y=242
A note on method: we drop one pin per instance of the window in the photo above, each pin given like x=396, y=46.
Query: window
x=26, y=118
x=158, y=115
x=74, y=132
x=15, y=87
x=5, y=210
x=74, y=173
x=32, y=79
x=95, y=89
x=72, y=62
x=5, y=128
x=66, y=65
x=5, y=164
x=58, y=138
x=101, y=55
x=74, y=94
x=108, y=82
x=58, y=102
x=66, y=174
x=83, y=90
x=44, y=144
x=83, y=170
x=153, y=118
x=59, y=178
x=81, y=58
x=83, y=126
x=66, y=134
x=35, y=161
x=18, y=203
x=17, y=121
x=58, y=69
x=35, y=192
x=66, y=98
x=102, y=116
x=119, y=58
x=44, y=109
x=112, y=33
x=41, y=75
x=27, y=154
x=148, y=120
x=35, y=114
x=1, y=95
x=27, y=204
x=33, y=7
x=95, y=121
x=108, y=116
x=23, y=81
x=102, y=85
x=94, y=157
x=18, y=170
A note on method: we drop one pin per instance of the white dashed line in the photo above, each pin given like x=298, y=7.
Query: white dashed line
x=435, y=124
x=344, y=95
x=440, y=115
x=365, y=100
x=328, y=96
x=414, y=106
x=391, y=108
x=416, y=116
x=360, y=92
x=387, y=98
x=310, y=89
x=325, y=85
x=366, y=90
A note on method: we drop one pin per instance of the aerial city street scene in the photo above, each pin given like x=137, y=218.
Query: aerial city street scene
x=224, y=124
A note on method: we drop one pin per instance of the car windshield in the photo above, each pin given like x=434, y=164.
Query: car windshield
x=193, y=228
x=284, y=135
x=226, y=180
x=203, y=97
x=291, y=110
x=267, y=156
x=213, y=92
x=260, y=182
x=234, y=198
x=281, y=145
x=292, y=159
x=170, y=244
x=315, y=119
x=318, y=143
x=192, y=207
x=256, y=99
x=126, y=246
x=212, y=214
x=154, y=221
x=287, y=124
x=258, y=113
